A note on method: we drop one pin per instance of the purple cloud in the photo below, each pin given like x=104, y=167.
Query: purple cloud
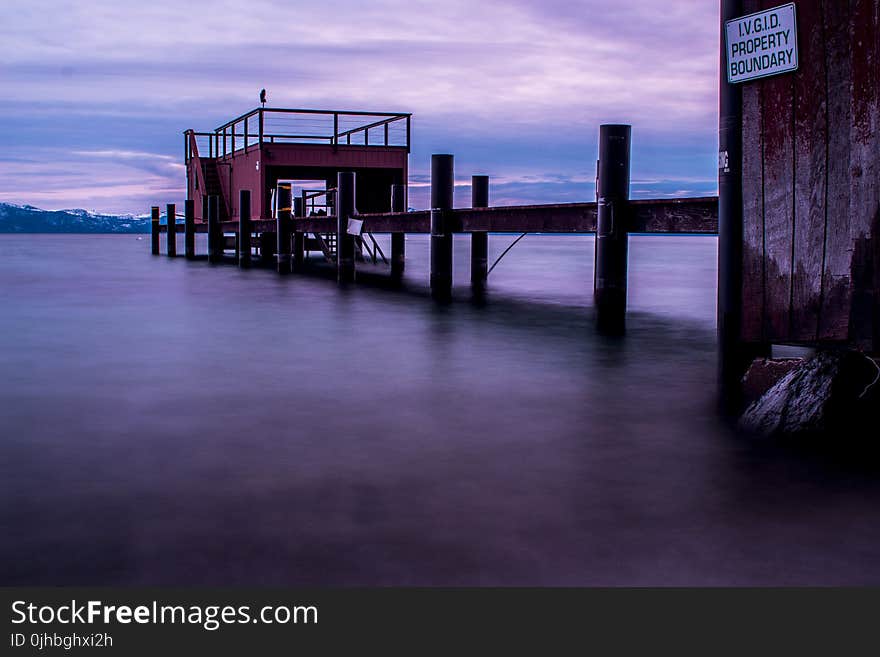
x=98, y=92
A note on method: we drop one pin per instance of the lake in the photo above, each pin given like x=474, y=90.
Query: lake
x=167, y=422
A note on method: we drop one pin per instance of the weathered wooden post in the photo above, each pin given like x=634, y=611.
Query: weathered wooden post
x=215, y=232
x=154, y=230
x=398, y=240
x=245, y=228
x=609, y=286
x=733, y=356
x=345, y=208
x=189, y=227
x=442, y=188
x=479, y=240
x=299, y=238
x=171, y=212
x=282, y=228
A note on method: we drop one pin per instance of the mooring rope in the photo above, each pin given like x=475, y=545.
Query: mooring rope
x=505, y=253
x=876, y=378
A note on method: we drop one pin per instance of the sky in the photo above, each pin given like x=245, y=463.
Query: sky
x=95, y=94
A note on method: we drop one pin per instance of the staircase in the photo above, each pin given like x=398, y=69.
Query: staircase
x=326, y=242
x=212, y=184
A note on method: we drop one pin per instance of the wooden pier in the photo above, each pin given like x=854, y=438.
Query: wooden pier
x=275, y=228
x=798, y=212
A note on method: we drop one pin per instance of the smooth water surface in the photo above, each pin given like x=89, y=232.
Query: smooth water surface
x=172, y=422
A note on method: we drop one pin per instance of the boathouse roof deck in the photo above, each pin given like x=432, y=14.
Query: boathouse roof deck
x=265, y=125
x=266, y=145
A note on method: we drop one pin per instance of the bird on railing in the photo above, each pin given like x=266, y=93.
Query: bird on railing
x=263, y=97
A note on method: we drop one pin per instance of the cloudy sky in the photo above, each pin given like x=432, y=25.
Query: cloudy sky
x=94, y=94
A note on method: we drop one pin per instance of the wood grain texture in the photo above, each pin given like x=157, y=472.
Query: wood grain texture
x=810, y=173
x=753, y=206
x=865, y=171
x=836, y=288
x=778, y=124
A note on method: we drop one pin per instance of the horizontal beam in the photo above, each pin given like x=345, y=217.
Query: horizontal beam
x=680, y=215
x=664, y=216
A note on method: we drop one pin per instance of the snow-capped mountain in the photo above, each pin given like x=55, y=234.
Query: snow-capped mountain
x=28, y=219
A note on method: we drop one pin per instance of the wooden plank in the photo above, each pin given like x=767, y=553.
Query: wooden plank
x=753, y=206
x=864, y=212
x=836, y=290
x=778, y=202
x=810, y=179
x=691, y=215
x=557, y=218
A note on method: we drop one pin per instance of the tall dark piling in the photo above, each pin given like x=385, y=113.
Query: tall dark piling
x=479, y=240
x=398, y=240
x=299, y=238
x=442, y=188
x=734, y=357
x=345, y=208
x=609, y=285
x=171, y=235
x=245, y=228
x=215, y=232
x=189, y=229
x=154, y=230
x=282, y=228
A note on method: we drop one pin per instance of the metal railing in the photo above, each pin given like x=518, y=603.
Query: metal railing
x=304, y=126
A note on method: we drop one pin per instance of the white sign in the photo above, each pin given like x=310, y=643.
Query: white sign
x=355, y=226
x=762, y=44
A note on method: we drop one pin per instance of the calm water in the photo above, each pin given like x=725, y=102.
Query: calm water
x=166, y=422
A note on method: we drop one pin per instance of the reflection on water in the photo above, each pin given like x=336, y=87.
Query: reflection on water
x=166, y=422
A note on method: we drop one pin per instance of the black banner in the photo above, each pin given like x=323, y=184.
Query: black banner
x=412, y=621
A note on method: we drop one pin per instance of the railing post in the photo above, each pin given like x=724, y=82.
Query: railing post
x=282, y=229
x=171, y=235
x=189, y=229
x=479, y=240
x=442, y=188
x=245, y=134
x=244, y=228
x=398, y=240
x=215, y=233
x=335, y=128
x=386, y=134
x=154, y=230
x=609, y=285
x=345, y=208
x=408, y=125
x=261, y=124
x=298, y=238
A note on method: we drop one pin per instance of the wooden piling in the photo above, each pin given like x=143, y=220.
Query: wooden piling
x=609, y=285
x=282, y=229
x=480, y=239
x=398, y=240
x=298, y=238
x=154, y=230
x=171, y=235
x=442, y=188
x=215, y=232
x=189, y=227
x=346, y=204
x=734, y=355
x=245, y=228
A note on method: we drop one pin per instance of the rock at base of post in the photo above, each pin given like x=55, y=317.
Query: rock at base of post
x=834, y=393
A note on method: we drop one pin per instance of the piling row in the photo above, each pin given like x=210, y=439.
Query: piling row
x=283, y=244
